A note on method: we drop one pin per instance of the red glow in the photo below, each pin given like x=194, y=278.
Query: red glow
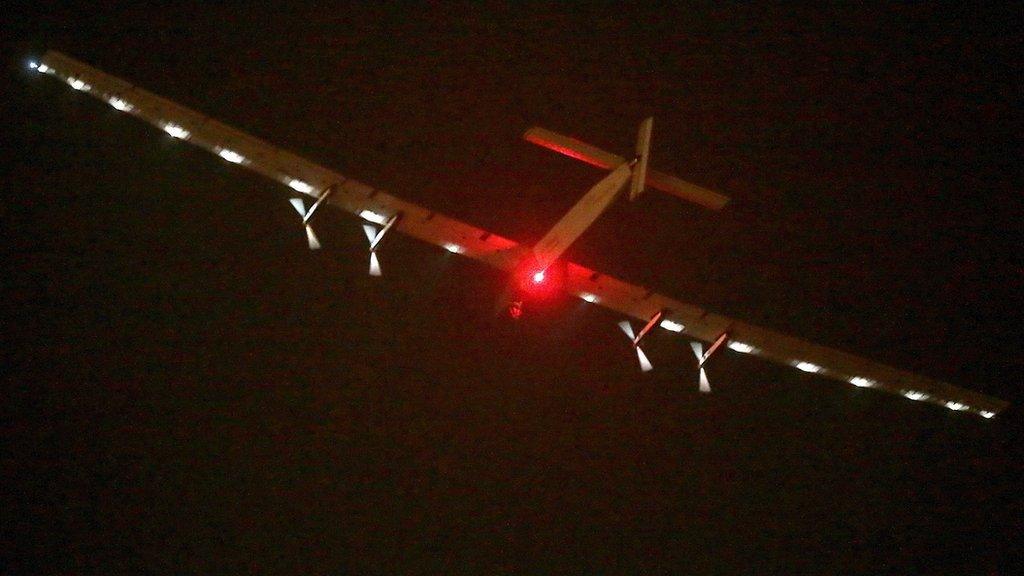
x=579, y=152
x=534, y=282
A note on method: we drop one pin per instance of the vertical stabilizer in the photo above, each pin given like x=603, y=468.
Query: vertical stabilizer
x=643, y=147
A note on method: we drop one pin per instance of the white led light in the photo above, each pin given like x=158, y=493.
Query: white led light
x=915, y=395
x=453, y=248
x=862, y=382
x=373, y=217
x=299, y=186
x=44, y=69
x=956, y=406
x=807, y=367
x=231, y=156
x=671, y=326
x=176, y=131
x=588, y=297
x=741, y=347
x=78, y=84
x=987, y=414
x=33, y=65
x=120, y=104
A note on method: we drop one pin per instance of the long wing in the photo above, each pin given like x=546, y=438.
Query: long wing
x=296, y=172
x=377, y=206
x=747, y=338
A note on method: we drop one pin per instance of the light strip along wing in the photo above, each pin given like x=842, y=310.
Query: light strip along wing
x=294, y=171
x=700, y=324
x=375, y=205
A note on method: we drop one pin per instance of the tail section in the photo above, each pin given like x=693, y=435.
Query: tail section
x=595, y=156
x=643, y=148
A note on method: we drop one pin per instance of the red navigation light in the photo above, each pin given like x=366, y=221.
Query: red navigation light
x=536, y=282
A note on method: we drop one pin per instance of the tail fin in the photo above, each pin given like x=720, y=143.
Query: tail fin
x=594, y=156
x=643, y=148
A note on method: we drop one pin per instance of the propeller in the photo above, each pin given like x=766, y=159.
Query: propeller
x=300, y=207
x=373, y=236
x=698, y=351
x=645, y=364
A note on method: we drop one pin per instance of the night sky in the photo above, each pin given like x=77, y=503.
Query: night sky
x=188, y=389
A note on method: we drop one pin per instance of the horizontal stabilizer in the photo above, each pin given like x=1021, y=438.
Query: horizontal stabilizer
x=593, y=155
x=573, y=148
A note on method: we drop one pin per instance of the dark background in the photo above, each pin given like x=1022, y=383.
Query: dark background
x=187, y=389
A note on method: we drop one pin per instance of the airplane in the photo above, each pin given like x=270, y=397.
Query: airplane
x=538, y=266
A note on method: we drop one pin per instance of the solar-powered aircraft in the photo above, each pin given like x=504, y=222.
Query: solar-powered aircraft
x=539, y=264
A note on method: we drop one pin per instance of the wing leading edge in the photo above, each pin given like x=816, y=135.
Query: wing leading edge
x=379, y=207
x=695, y=322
